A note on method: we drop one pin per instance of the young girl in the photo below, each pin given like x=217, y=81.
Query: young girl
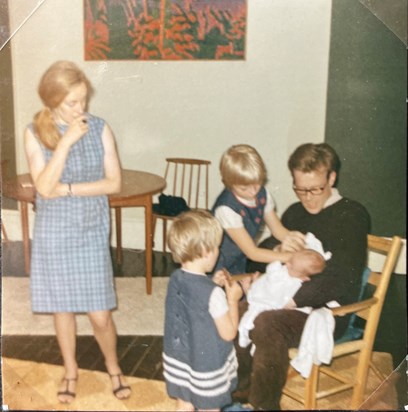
x=201, y=321
x=242, y=207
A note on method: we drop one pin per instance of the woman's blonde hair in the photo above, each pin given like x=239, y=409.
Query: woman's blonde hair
x=242, y=165
x=55, y=84
x=192, y=234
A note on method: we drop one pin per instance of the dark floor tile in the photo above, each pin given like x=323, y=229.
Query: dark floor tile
x=139, y=356
x=89, y=355
x=151, y=365
x=135, y=354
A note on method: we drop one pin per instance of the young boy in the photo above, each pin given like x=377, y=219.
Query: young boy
x=201, y=320
x=242, y=207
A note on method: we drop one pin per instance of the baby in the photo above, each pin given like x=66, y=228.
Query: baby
x=276, y=288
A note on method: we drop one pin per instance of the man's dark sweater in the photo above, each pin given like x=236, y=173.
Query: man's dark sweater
x=342, y=228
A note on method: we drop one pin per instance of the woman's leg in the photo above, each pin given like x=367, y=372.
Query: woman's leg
x=65, y=328
x=105, y=335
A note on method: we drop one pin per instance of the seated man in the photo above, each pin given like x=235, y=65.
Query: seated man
x=342, y=226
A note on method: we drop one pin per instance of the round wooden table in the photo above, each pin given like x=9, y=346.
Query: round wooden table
x=137, y=190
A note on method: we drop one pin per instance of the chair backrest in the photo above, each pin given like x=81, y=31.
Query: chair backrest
x=368, y=309
x=188, y=178
x=390, y=248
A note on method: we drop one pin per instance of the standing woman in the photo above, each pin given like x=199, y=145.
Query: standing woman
x=74, y=165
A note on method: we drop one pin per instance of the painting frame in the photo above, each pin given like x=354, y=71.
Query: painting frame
x=165, y=30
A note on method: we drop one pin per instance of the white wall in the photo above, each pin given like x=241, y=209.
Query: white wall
x=274, y=100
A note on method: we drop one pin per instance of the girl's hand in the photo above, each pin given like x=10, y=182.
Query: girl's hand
x=247, y=281
x=221, y=277
x=233, y=291
x=76, y=129
x=293, y=242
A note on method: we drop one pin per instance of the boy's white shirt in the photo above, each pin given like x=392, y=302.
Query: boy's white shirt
x=218, y=305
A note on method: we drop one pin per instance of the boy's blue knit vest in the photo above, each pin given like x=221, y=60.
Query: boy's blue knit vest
x=231, y=257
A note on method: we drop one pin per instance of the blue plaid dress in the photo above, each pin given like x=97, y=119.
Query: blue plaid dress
x=71, y=267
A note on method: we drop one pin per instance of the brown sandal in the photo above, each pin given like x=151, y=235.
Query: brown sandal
x=121, y=387
x=67, y=392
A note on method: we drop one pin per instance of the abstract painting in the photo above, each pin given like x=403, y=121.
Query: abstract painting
x=165, y=29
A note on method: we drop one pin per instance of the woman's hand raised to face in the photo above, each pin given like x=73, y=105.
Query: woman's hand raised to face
x=76, y=129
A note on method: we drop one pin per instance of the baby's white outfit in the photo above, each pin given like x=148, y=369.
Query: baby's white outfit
x=273, y=290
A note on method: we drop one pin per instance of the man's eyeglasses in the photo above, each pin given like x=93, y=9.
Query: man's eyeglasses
x=314, y=191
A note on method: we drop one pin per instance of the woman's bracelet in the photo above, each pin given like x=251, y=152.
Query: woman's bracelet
x=69, y=191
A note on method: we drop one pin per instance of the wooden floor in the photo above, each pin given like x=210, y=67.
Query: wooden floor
x=139, y=356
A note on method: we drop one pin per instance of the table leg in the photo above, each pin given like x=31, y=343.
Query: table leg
x=26, y=236
x=118, y=222
x=149, y=243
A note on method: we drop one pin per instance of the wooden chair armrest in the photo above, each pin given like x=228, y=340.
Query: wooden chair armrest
x=354, y=307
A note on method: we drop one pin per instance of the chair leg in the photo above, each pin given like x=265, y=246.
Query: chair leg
x=154, y=220
x=4, y=233
x=164, y=235
x=311, y=388
x=361, y=379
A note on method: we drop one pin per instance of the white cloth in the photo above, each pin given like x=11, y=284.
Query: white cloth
x=273, y=290
x=316, y=343
x=311, y=242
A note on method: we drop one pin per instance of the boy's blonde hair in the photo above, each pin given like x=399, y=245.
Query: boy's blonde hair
x=192, y=234
x=242, y=165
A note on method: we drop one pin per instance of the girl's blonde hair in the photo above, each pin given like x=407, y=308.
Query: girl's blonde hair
x=242, y=165
x=192, y=234
x=55, y=84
